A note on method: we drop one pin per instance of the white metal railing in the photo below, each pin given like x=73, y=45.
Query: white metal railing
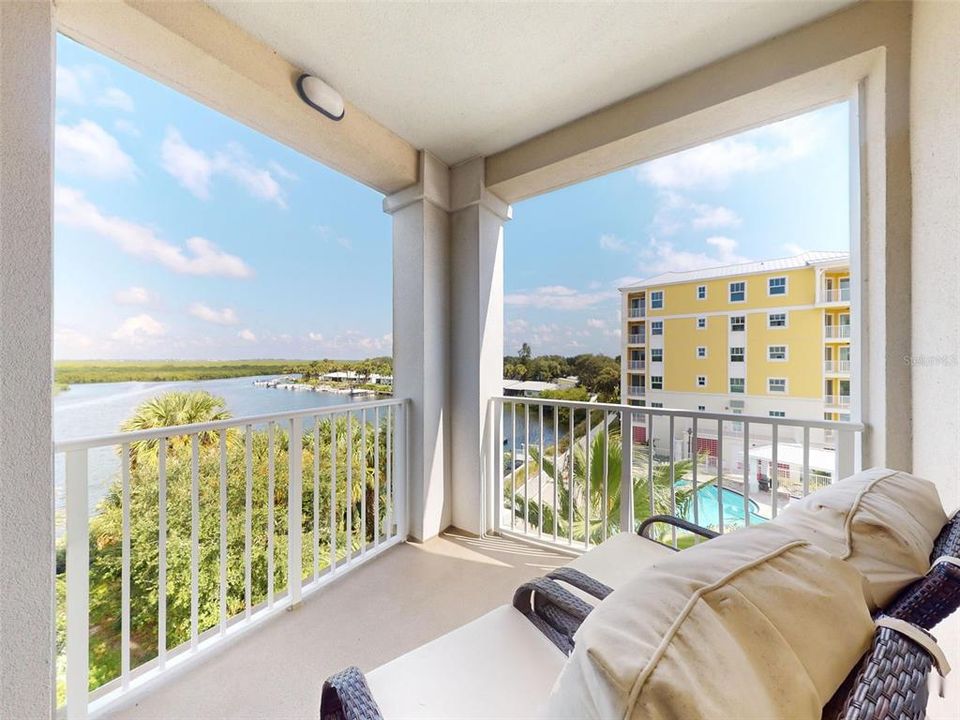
x=636, y=391
x=842, y=401
x=658, y=460
x=637, y=312
x=832, y=295
x=181, y=463
x=637, y=364
x=837, y=331
x=636, y=339
x=836, y=366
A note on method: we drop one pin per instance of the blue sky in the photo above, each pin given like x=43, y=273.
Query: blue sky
x=181, y=233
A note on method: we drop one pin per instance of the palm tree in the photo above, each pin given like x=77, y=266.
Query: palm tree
x=172, y=409
x=603, y=505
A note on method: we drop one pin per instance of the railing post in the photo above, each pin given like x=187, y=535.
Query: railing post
x=627, y=520
x=78, y=585
x=295, y=511
x=401, y=470
x=495, y=467
x=845, y=455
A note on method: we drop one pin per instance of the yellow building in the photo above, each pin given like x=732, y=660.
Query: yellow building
x=768, y=338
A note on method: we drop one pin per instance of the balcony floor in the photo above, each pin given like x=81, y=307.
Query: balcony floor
x=382, y=609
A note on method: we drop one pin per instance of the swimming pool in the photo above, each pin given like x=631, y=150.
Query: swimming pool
x=708, y=509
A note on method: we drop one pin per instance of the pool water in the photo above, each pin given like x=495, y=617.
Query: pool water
x=708, y=509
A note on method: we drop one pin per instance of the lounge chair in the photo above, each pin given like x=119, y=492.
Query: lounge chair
x=878, y=526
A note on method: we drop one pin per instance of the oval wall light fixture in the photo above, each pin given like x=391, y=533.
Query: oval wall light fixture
x=320, y=96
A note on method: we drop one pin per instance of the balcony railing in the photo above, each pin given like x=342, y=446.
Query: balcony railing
x=841, y=401
x=639, y=312
x=836, y=367
x=636, y=391
x=835, y=295
x=254, y=559
x=637, y=364
x=834, y=332
x=636, y=339
x=550, y=484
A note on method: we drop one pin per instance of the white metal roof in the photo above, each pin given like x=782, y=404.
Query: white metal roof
x=529, y=385
x=814, y=257
x=823, y=459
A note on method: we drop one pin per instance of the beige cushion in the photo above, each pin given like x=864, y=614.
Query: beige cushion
x=755, y=624
x=618, y=559
x=882, y=521
x=498, y=666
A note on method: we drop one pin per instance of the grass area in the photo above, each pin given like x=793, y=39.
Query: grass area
x=71, y=372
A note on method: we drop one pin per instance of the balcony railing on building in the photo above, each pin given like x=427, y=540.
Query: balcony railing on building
x=637, y=364
x=251, y=513
x=840, y=401
x=836, y=367
x=835, y=295
x=636, y=391
x=636, y=339
x=556, y=464
x=834, y=332
x=637, y=312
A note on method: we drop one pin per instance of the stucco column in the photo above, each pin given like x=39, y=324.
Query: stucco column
x=421, y=231
x=476, y=337
x=26, y=460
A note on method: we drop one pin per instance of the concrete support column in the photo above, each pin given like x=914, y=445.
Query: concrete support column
x=421, y=232
x=476, y=361
x=26, y=460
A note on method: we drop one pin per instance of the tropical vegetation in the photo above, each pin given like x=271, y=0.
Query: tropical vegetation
x=598, y=374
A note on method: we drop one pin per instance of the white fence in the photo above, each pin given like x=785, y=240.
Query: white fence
x=348, y=500
x=573, y=473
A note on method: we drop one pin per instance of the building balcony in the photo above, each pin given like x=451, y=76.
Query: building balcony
x=636, y=339
x=837, y=332
x=636, y=391
x=637, y=364
x=634, y=313
x=835, y=296
x=836, y=401
x=836, y=367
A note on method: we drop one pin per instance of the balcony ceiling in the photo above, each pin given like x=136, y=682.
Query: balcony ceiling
x=472, y=79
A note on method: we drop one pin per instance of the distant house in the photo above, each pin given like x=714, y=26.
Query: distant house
x=527, y=388
x=342, y=376
x=566, y=383
x=375, y=379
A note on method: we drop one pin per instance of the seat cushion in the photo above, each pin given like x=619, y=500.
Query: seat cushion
x=882, y=521
x=498, y=666
x=755, y=624
x=618, y=559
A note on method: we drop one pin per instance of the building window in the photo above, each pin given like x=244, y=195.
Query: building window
x=736, y=354
x=738, y=291
x=656, y=382
x=738, y=404
x=701, y=408
x=777, y=320
x=776, y=352
x=777, y=286
x=656, y=354
x=701, y=380
x=656, y=405
x=701, y=292
x=777, y=385
x=738, y=323
x=656, y=327
x=701, y=352
x=701, y=323
x=656, y=299
x=736, y=385
x=777, y=413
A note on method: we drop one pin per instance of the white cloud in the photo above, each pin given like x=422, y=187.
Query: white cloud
x=114, y=97
x=715, y=163
x=133, y=295
x=247, y=334
x=714, y=217
x=199, y=257
x=327, y=233
x=662, y=256
x=68, y=341
x=227, y=316
x=316, y=337
x=596, y=323
x=612, y=242
x=126, y=127
x=280, y=171
x=70, y=84
x=794, y=249
x=195, y=169
x=191, y=168
x=138, y=328
x=558, y=297
x=88, y=149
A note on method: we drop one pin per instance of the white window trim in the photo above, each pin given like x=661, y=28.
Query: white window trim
x=743, y=354
x=786, y=320
x=663, y=299
x=653, y=351
x=701, y=384
x=786, y=286
x=777, y=413
x=701, y=320
x=786, y=353
x=653, y=380
x=730, y=386
x=705, y=352
x=730, y=291
x=652, y=324
x=701, y=408
x=786, y=386
x=744, y=323
x=704, y=288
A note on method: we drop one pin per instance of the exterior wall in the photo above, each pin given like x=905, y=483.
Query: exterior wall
x=26, y=454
